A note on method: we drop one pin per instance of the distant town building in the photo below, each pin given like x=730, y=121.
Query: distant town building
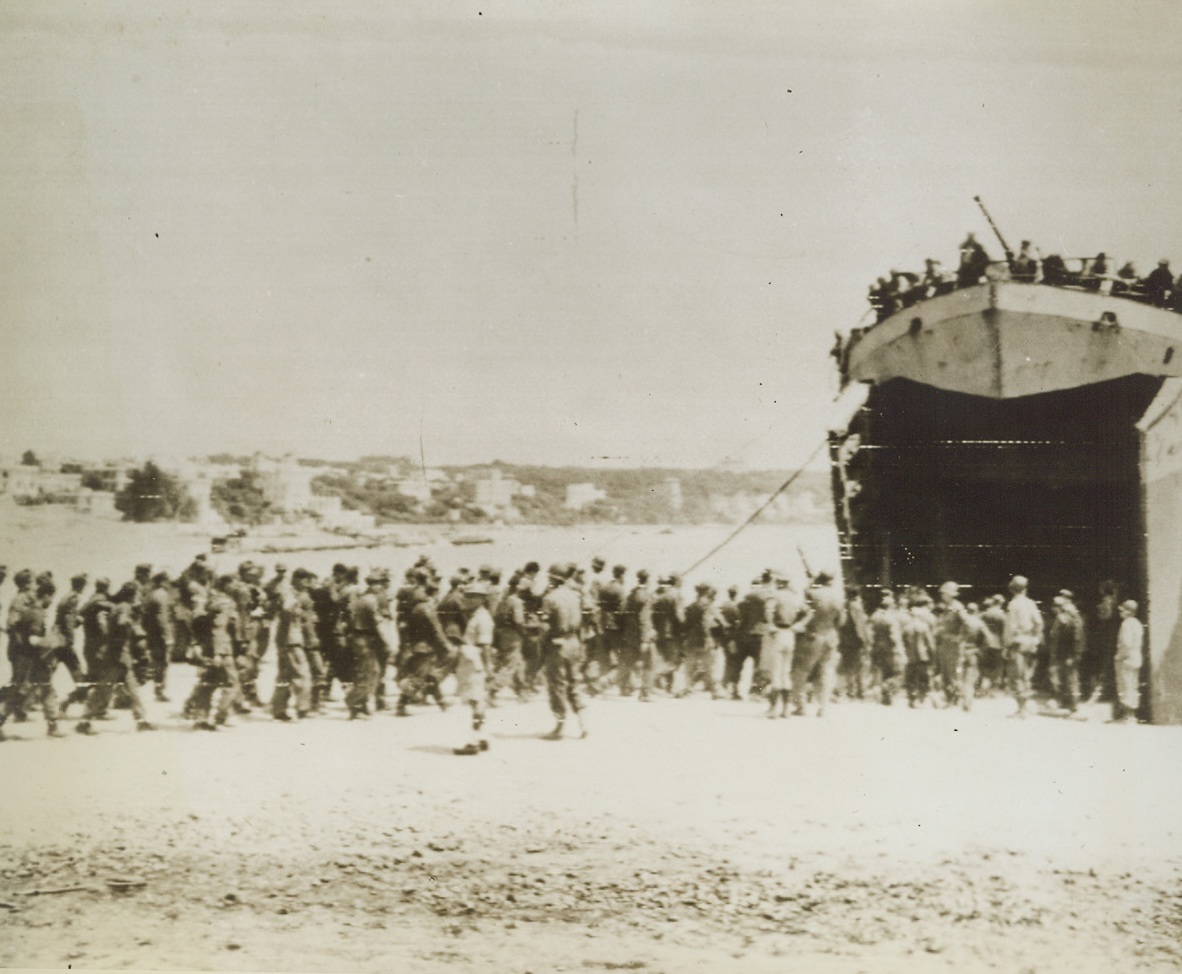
x=285, y=483
x=198, y=478
x=33, y=484
x=99, y=503
x=105, y=477
x=673, y=494
x=496, y=490
x=798, y=506
x=579, y=496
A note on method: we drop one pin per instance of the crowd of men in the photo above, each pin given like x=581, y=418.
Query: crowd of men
x=901, y=289
x=575, y=630
x=949, y=651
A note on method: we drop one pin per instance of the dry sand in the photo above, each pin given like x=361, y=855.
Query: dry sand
x=681, y=835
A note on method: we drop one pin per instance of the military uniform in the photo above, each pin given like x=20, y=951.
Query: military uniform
x=190, y=603
x=20, y=660
x=95, y=617
x=703, y=626
x=160, y=632
x=668, y=621
x=853, y=642
x=562, y=611
x=324, y=603
x=425, y=657
x=1066, y=640
x=816, y=648
x=639, y=642
x=219, y=672
x=347, y=592
x=248, y=606
x=1022, y=636
x=450, y=610
x=293, y=677
x=974, y=645
x=951, y=631
x=753, y=627
x=30, y=643
x=66, y=620
x=590, y=628
x=533, y=643
x=610, y=597
x=480, y=632
x=508, y=633
x=919, y=641
x=308, y=622
x=886, y=649
x=991, y=660
x=117, y=671
x=366, y=641
x=780, y=647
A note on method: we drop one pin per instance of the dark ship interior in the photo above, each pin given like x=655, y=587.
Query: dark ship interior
x=942, y=485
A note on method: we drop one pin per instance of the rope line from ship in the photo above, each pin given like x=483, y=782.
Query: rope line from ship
x=758, y=511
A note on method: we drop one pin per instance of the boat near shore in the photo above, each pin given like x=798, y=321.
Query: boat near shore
x=1011, y=427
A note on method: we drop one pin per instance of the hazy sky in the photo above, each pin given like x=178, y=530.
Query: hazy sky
x=539, y=232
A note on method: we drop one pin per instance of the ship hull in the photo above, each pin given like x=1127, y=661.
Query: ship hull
x=1004, y=340
x=1011, y=429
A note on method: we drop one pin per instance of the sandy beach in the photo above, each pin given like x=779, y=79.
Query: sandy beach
x=683, y=835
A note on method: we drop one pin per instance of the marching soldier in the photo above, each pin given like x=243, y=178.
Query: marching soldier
x=95, y=617
x=67, y=617
x=31, y=644
x=668, y=621
x=887, y=655
x=214, y=653
x=159, y=630
x=19, y=659
x=780, y=645
x=703, y=628
x=563, y=611
x=293, y=676
x=638, y=643
x=753, y=627
x=919, y=639
x=508, y=634
x=366, y=642
x=611, y=597
x=117, y=664
x=1067, y=646
x=816, y=650
x=1023, y=636
x=426, y=655
x=951, y=632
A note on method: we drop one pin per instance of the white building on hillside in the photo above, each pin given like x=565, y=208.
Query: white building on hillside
x=496, y=490
x=579, y=496
x=286, y=484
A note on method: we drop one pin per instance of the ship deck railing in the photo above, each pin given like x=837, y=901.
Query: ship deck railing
x=1075, y=274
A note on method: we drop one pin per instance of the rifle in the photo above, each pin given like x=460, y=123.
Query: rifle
x=808, y=572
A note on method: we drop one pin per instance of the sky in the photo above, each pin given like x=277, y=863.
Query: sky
x=616, y=233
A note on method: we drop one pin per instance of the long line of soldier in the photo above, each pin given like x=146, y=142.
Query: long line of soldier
x=583, y=632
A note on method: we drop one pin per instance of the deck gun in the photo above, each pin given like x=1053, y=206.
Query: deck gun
x=993, y=226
